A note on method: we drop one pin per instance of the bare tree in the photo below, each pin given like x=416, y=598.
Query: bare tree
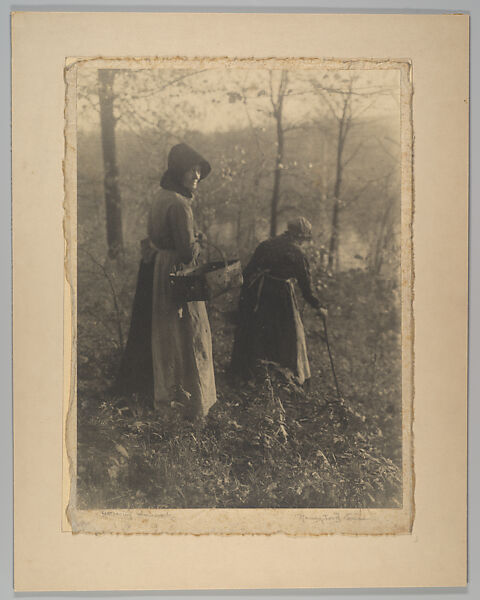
x=345, y=104
x=339, y=104
x=277, y=98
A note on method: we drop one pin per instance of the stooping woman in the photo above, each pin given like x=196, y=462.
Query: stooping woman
x=269, y=324
x=168, y=357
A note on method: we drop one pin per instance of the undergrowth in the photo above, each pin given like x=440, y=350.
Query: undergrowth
x=268, y=444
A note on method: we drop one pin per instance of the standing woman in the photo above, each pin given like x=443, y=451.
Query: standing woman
x=168, y=356
x=269, y=324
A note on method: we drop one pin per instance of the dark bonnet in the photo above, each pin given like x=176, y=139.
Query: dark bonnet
x=180, y=159
x=300, y=227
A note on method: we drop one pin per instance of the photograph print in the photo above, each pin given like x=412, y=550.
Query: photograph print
x=239, y=296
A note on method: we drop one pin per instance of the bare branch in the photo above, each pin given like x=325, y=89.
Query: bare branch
x=354, y=154
x=114, y=294
x=168, y=84
x=270, y=82
x=88, y=98
x=384, y=148
x=392, y=141
x=329, y=105
x=252, y=127
x=364, y=109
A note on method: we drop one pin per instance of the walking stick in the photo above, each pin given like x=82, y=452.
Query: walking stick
x=331, y=357
x=340, y=404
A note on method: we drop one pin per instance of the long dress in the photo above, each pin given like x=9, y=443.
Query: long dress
x=269, y=324
x=169, y=350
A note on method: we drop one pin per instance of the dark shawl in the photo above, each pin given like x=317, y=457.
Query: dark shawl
x=268, y=311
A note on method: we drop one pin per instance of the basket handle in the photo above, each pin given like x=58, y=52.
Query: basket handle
x=222, y=255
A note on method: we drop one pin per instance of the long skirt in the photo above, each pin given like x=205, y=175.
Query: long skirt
x=168, y=356
x=269, y=328
x=135, y=375
x=181, y=345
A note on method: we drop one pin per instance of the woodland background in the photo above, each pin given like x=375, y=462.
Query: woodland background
x=322, y=144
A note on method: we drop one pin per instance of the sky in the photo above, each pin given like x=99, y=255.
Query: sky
x=222, y=99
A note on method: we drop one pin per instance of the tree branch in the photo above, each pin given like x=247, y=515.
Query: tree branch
x=354, y=153
x=114, y=294
x=168, y=84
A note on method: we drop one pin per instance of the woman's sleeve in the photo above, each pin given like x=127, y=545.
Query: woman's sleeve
x=253, y=263
x=305, y=280
x=180, y=220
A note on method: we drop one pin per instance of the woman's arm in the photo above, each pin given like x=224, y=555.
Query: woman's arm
x=253, y=263
x=305, y=280
x=180, y=220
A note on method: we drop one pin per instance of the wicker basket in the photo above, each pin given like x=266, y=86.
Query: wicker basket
x=206, y=281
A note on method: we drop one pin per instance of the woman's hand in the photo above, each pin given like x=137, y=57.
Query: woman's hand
x=323, y=312
x=201, y=238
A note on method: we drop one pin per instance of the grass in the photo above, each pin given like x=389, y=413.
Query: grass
x=270, y=444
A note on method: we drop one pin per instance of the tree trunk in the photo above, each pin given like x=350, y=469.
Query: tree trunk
x=112, y=193
x=334, y=235
x=251, y=239
x=276, y=180
x=277, y=113
x=333, y=245
x=382, y=238
x=324, y=171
